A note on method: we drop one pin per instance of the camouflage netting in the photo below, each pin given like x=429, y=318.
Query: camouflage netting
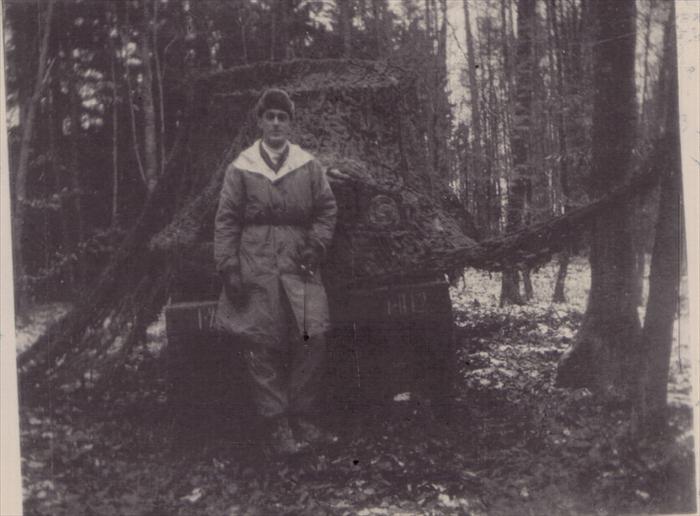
x=359, y=119
x=357, y=116
x=397, y=220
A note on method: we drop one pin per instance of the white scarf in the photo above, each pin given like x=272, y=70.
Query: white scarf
x=274, y=153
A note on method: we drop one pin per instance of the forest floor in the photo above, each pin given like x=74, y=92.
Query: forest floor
x=513, y=445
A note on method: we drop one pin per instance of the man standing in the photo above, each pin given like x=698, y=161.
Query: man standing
x=275, y=219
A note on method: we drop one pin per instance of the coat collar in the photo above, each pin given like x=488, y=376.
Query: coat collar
x=251, y=160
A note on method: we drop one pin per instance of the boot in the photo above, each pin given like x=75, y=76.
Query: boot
x=308, y=432
x=281, y=438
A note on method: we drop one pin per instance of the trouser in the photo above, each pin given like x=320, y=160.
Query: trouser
x=287, y=381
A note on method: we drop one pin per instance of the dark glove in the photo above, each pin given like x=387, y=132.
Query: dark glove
x=310, y=257
x=233, y=287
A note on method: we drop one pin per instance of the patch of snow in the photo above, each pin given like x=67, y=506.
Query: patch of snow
x=39, y=319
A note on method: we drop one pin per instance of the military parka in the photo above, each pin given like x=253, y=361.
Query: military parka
x=263, y=221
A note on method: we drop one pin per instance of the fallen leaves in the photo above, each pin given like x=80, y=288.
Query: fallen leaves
x=512, y=444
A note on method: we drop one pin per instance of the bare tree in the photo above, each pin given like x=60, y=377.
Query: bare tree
x=662, y=306
x=477, y=156
x=559, y=295
x=604, y=353
x=519, y=185
x=150, y=140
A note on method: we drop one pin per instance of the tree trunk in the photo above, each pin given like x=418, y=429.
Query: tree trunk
x=639, y=262
x=280, y=12
x=345, y=25
x=442, y=102
x=477, y=163
x=28, y=111
x=603, y=354
x=507, y=82
x=159, y=83
x=273, y=30
x=428, y=20
x=130, y=94
x=77, y=223
x=379, y=26
x=54, y=121
x=641, y=241
x=491, y=172
x=428, y=84
x=559, y=295
x=527, y=285
x=664, y=278
x=510, y=288
x=286, y=50
x=243, y=23
x=522, y=125
x=150, y=138
x=645, y=73
x=115, y=134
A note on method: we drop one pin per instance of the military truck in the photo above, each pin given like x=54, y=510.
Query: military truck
x=361, y=119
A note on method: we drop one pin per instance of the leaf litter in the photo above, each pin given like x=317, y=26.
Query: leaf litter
x=512, y=444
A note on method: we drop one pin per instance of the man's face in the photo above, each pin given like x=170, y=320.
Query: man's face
x=275, y=126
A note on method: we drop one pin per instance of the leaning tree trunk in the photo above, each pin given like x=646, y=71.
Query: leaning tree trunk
x=604, y=352
x=522, y=124
x=662, y=306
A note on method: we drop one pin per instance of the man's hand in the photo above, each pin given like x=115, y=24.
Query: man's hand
x=233, y=287
x=310, y=257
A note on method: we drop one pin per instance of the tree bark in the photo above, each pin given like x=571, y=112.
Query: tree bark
x=527, y=285
x=442, y=102
x=559, y=294
x=604, y=355
x=476, y=164
x=280, y=12
x=150, y=138
x=54, y=122
x=641, y=241
x=77, y=223
x=345, y=25
x=29, y=110
x=510, y=288
x=381, y=37
x=243, y=22
x=639, y=259
x=492, y=143
x=664, y=278
x=130, y=94
x=159, y=83
x=273, y=30
x=115, y=131
x=645, y=73
x=520, y=144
